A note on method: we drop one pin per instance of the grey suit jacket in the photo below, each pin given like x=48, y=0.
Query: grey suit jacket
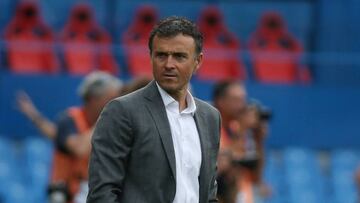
x=132, y=158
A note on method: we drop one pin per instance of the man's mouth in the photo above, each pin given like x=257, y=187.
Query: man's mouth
x=169, y=75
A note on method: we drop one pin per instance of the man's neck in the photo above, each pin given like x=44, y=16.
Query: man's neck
x=181, y=98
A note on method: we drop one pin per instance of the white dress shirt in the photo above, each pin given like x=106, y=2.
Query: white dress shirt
x=187, y=147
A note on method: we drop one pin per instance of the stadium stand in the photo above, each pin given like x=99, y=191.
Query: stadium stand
x=221, y=48
x=135, y=40
x=276, y=53
x=307, y=119
x=86, y=44
x=27, y=27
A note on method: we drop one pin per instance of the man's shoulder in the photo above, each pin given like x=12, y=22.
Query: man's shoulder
x=205, y=106
x=132, y=99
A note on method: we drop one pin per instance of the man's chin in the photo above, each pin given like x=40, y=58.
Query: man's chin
x=169, y=88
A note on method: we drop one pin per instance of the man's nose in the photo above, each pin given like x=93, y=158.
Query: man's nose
x=170, y=62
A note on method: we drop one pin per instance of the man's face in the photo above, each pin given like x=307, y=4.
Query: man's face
x=234, y=102
x=174, y=61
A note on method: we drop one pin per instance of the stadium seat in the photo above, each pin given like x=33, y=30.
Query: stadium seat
x=343, y=165
x=5, y=174
x=38, y=153
x=12, y=187
x=29, y=42
x=303, y=176
x=7, y=160
x=86, y=45
x=18, y=193
x=135, y=40
x=221, y=48
x=274, y=176
x=276, y=53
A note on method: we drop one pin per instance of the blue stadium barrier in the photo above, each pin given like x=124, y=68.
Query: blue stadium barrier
x=308, y=116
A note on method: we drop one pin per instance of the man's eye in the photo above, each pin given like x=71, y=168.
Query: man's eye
x=161, y=55
x=180, y=56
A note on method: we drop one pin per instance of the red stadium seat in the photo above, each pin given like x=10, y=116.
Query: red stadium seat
x=86, y=44
x=221, y=48
x=135, y=40
x=276, y=53
x=30, y=42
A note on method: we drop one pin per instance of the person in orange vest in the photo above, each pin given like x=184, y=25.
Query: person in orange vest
x=72, y=140
x=72, y=135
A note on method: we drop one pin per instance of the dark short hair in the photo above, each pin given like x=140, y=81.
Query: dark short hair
x=172, y=26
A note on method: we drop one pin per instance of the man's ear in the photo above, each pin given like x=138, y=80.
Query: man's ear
x=198, y=61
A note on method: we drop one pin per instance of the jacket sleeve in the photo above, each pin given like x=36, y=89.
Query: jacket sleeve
x=111, y=146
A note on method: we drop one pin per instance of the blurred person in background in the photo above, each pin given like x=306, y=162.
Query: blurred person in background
x=59, y=190
x=247, y=153
x=72, y=134
x=240, y=161
x=229, y=97
x=74, y=131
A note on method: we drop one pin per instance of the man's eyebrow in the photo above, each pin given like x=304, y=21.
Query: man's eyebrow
x=160, y=51
x=180, y=54
x=171, y=52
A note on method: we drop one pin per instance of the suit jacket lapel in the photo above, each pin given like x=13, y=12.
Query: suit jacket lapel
x=158, y=112
x=203, y=133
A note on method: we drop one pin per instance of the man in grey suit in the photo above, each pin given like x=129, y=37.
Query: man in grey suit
x=159, y=144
